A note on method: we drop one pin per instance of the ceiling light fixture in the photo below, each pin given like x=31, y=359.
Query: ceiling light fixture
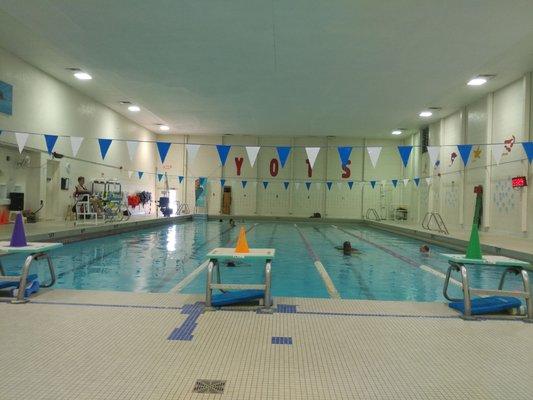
x=163, y=127
x=134, y=108
x=396, y=132
x=478, y=81
x=425, y=114
x=83, y=76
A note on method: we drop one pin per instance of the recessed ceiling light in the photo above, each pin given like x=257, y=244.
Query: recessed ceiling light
x=478, y=81
x=134, y=108
x=425, y=114
x=83, y=76
x=163, y=127
x=396, y=132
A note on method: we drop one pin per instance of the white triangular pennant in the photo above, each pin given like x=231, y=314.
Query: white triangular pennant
x=75, y=143
x=252, y=152
x=428, y=181
x=192, y=151
x=130, y=173
x=297, y=185
x=374, y=153
x=21, y=140
x=132, y=148
x=405, y=181
x=433, y=152
x=497, y=152
x=339, y=185
x=312, y=153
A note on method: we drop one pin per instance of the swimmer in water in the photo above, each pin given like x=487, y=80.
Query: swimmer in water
x=424, y=250
x=232, y=223
x=347, y=249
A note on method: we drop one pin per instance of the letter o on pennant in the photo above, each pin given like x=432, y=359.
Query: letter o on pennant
x=274, y=167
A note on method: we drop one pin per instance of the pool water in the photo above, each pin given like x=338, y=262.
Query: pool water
x=156, y=260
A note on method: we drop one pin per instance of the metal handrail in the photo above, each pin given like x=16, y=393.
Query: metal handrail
x=182, y=208
x=468, y=291
x=371, y=213
x=213, y=272
x=437, y=218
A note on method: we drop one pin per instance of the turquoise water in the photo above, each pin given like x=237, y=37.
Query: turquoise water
x=156, y=260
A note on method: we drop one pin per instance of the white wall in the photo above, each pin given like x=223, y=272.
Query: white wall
x=42, y=104
x=297, y=200
x=492, y=119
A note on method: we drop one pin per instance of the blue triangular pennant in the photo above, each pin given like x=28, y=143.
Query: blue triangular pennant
x=243, y=183
x=283, y=154
x=202, y=181
x=180, y=179
x=308, y=184
x=222, y=182
x=140, y=173
x=50, y=142
x=286, y=184
x=329, y=184
x=163, y=148
x=373, y=184
x=265, y=184
x=159, y=177
x=416, y=180
x=350, y=184
x=405, y=153
x=344, y=154
x=395, y=182
x=464, y=150
x=528, y=148
x=104, y=146
x=223, y=151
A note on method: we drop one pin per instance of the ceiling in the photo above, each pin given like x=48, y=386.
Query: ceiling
x=357, y=68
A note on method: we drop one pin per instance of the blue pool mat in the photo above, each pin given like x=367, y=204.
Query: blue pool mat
x=235, y=297
x=487, y=305
x=15, y=284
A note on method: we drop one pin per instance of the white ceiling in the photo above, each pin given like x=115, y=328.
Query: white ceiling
x=301, y=67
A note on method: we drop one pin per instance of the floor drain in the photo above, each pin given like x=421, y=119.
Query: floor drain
x=209, y=386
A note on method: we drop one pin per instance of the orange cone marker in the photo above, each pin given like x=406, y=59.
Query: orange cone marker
x=242, y=243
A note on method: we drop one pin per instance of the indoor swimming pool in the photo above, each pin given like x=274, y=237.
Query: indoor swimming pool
x=389, y=266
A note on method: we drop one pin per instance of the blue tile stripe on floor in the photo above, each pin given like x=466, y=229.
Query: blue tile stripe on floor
x=282, y=340
x=286, y=309
x=185, y=330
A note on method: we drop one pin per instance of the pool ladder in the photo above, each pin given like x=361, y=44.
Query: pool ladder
x=440, y=226
x=371, y=213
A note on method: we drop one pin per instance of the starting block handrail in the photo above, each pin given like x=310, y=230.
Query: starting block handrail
x=214, y=281
x=459, y=266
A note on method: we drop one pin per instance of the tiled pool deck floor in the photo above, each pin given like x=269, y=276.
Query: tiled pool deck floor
x=108, y=345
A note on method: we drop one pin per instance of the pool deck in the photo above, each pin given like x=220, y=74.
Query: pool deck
x=66, y=231
x=74, y=345
x=507, y=245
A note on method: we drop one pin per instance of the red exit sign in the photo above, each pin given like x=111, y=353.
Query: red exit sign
x=519, y=181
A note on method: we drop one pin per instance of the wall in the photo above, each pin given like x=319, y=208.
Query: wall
x=42, y=104
x=297, y=200
x=491, y=119
x=495, y=118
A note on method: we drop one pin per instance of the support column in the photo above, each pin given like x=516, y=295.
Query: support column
x=488, y=170
x=527, y=134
